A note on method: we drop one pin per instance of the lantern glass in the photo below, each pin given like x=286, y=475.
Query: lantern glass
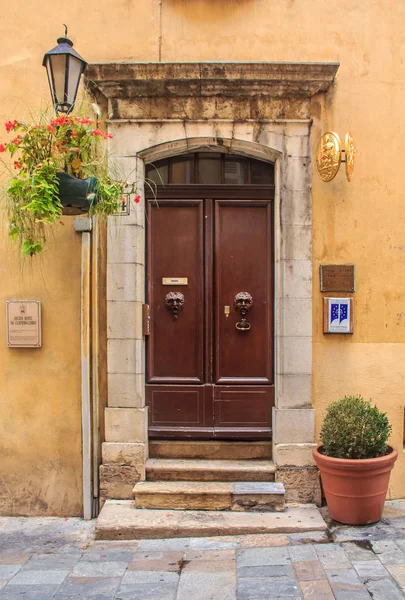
x=57, y=64
x=74, y=71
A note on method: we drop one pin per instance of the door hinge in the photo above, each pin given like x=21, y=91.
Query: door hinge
x=145, y=319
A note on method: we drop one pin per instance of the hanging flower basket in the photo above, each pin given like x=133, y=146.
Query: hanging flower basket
x=60, y=167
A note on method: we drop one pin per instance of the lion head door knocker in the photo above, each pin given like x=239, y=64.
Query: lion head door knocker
x=243, y=302
x=175, y=303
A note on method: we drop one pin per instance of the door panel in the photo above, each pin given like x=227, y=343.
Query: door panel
x=243, y=260
x=243, y=411
x=174, y=408
x=175, y=246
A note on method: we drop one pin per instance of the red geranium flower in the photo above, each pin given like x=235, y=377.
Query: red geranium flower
x=11, y=125
x=2, y=147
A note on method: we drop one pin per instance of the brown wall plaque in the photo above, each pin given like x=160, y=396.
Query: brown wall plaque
x=23, y=323
x=337, y=278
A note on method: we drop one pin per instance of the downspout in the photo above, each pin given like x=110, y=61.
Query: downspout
x=95, y=364
x=84, y=226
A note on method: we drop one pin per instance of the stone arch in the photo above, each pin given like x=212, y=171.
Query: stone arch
x=207, y=144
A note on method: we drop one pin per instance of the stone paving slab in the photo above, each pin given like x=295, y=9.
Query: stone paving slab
x=384, y=589
x=316, y=590
x=156, y=561
x=39, y=577
x=147, y=591
x=268, y=588
x=345, y=564
x=367, y=570
x=88, y=587
x=28, y=592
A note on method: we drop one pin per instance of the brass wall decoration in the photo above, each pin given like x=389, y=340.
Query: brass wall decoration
x=350, y=155
x=175, y=303
x=243, y=302
x=330, y=154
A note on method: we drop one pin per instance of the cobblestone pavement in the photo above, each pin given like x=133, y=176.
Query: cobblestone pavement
x=44, y=559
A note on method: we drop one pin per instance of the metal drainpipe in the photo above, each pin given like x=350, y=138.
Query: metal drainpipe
x=84, y=226
x=95, y=352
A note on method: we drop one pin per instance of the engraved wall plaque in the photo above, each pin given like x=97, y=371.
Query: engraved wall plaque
x=23, y=319
x=337, y=278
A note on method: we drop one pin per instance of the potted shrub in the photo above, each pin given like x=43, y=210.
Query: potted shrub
x=57, y=163
x=354, y=460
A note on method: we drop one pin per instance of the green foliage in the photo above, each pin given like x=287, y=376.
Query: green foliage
x=74, y=145
x=353, y=428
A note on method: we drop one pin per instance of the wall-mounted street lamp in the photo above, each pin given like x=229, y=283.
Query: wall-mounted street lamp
x=64, y=67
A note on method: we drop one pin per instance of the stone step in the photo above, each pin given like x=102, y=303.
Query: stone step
x=210, y=449
x=165, y=469
x=210, y=495
x=121, y=520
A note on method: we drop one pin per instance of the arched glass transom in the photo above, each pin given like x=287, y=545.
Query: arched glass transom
x=210, y=168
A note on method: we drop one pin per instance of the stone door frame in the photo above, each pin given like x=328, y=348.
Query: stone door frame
x=284, y=142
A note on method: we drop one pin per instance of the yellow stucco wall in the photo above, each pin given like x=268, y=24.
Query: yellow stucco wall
x=40, y=435
x=361, y=222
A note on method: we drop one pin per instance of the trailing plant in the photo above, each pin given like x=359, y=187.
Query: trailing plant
x=353, y=428
x=39, y=152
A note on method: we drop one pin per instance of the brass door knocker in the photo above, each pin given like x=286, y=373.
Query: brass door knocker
x=243, y=302
x=175, y=303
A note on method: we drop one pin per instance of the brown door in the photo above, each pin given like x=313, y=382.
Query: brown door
x=210, y=290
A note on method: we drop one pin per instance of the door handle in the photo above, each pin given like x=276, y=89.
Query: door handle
x=243, y=302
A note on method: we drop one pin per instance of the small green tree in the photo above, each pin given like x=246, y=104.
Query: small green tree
x=354, y=429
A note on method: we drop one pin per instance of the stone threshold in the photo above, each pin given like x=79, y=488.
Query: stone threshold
x=121, y=520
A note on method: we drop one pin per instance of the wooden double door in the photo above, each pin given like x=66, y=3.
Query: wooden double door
x=210, y=371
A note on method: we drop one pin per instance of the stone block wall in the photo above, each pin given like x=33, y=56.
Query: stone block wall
x=125, y=449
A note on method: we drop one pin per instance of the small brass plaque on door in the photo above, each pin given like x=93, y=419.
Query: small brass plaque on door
x=174, y=280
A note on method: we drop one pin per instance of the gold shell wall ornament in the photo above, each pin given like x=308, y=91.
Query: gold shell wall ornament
x=349, y=155
x=328, y=156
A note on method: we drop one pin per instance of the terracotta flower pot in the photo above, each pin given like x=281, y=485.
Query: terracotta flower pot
x=355, y=490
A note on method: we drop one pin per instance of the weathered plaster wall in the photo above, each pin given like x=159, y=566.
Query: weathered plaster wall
x=40, y=435
x=361, y=222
